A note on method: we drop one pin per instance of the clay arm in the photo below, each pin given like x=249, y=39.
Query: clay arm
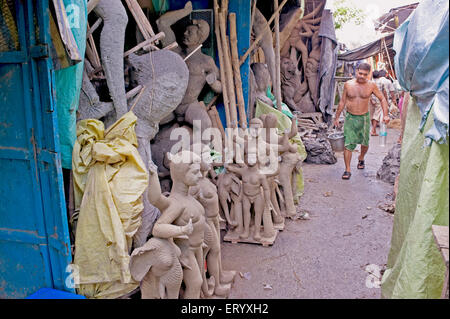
x=384, y=104
x=164, y=228
x=308, y=30
x=166, y=21
x=314, y=12
x=233, y=169
x=266, y=190
x=154, y=195
x=213, y=78
x=288, y=97
x=312, y=21
x=294, y=128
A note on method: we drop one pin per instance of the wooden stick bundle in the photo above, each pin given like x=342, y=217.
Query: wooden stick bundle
x=141, y=20
x=228, y=69
x=237, y=71
x=226, y=101
x=277, y=85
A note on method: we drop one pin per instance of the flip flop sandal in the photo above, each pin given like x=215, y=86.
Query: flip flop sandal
x=346, y=175
x=361, y=165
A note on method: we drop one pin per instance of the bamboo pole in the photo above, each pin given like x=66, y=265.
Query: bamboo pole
x=226, y=101
x=277, y=89
x=255, y=43
x=237, y=71
x=141, y=19
x=228, y=70
x=253, y=15
x=146, y=43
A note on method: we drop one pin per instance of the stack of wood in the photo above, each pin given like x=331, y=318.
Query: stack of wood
x=230, y=74
x=310, y=124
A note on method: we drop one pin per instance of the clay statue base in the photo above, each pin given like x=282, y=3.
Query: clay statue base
x=279, y=226
x=233, y=237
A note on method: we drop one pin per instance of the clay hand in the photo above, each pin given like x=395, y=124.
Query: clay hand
x=386, y=119
x=188, y=228
x=152, y=168
x=211, y=78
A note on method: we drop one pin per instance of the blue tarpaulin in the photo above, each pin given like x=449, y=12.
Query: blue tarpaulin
x=68, y=83
x=421, y=63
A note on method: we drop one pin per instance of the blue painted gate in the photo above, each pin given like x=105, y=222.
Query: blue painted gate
x=34, y=235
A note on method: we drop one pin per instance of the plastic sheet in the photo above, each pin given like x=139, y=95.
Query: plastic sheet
x=415, y=268
x=422, y=63
x=109, y=179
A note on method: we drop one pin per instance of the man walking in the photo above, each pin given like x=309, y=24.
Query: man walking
x=355, y=99
x=375, y=103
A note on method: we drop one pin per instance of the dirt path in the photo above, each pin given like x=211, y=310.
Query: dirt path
x=325, y=256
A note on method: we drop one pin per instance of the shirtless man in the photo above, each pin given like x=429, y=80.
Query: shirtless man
x=355, y=98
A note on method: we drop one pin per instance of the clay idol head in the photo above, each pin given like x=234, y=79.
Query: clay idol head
x=196, y=33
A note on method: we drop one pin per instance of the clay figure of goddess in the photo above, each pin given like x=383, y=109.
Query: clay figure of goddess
x=256, y=192
x=180, y=211
x=206, y=193
x=202, y=68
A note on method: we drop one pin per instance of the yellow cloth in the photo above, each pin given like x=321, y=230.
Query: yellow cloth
x=284, y=123
x=109, y=179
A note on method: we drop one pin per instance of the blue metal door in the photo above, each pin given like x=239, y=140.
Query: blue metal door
x=34, y=236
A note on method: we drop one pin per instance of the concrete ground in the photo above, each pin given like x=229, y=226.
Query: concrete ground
x=326, y=256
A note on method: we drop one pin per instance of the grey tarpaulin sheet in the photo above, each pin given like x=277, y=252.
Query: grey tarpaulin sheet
x=367, y=50
x=327, y=68
x=421, y=63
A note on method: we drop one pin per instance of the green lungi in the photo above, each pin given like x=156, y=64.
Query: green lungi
x=356, y=130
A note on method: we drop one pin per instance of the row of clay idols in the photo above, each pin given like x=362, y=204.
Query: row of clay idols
x=250, y=185
x=185, y=236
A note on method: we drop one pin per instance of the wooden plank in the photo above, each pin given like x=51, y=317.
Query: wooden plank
x=145, y=43
x=441, y=235
x=233, y=237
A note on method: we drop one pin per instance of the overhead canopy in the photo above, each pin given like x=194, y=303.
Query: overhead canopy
x=367, y=50
x=394, y=18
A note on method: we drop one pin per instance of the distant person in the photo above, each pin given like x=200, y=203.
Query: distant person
x=355, y=99
x=391, y=93
x=375, y=103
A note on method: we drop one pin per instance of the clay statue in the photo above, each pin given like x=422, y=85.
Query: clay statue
x=229, y=188
x=256, y=193
x=157, y=267
x=289, y=167
x=259, y=26
x=289, y=158
x=304, y=35
x=312, y=66
x=293, y=89
x=262, y=81
x=180, y=211
x=206, y=193
x=112, y=41
x=202, y=68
